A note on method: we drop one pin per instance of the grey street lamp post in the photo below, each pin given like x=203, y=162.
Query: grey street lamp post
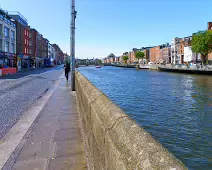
x=72, y=44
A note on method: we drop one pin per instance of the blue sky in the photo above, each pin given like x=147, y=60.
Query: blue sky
x=114, y=26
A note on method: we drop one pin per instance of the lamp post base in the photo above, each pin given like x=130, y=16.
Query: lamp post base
x=73, y=81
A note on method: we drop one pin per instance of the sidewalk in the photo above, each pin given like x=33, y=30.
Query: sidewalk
x=55, y=142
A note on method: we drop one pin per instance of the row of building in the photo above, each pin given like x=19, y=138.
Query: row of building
x=178, y=52
x=23, y=47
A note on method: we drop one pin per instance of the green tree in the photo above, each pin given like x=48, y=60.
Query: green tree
x=139, y=55
x=202, y=44
x=125, y=58
x=98, y=62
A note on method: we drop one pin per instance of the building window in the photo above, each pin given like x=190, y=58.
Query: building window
x=25, y=50
x=6, y=46
x=6, y=32
x=13, y=35
x=13, y=48
x=1, y=29
x=25, y=32
x=0, y=45
x=25, y=41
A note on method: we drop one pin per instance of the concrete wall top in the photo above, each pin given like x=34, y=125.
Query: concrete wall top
x=121, y=142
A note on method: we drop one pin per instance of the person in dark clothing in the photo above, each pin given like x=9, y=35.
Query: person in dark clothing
x=67, y=70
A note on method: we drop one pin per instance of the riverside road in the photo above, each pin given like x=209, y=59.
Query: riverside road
x=18, y=92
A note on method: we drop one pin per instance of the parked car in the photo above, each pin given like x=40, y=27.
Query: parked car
x=150, y=63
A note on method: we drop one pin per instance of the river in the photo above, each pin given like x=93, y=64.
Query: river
x=175, y=108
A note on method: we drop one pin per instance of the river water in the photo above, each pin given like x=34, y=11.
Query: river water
x=175, y=108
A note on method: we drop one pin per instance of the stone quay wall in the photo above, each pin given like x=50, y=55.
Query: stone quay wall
x=113, y=141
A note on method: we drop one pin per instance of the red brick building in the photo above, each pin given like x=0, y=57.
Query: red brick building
x=146, y=51
x=210, y=28
x=34, y=34
x=45, y=47
x=59, y=58
x=155, y=54
x=27, y=48
x=22, y=41
x=166, y=53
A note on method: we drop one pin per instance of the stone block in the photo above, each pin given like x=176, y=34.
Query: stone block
x=69, y=112
x=108, y=112
x=28, y=152
x=67, y=148
x=46, y=150
x=48, y=126
x=98, y=156
x=136, y=147
x=67, y=134
x=112, y=156
x=98, y=131
x=71, y=117
x=48, y=118
x=41, y=136
x=38, y=164
x=37, y=151
x=68, y=125
x=65, y=163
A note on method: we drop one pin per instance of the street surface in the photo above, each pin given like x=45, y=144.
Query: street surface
x=18, y=92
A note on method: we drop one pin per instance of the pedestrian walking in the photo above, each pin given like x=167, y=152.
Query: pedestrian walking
x=67, y=70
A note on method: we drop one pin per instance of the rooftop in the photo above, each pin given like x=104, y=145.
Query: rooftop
x=17, y=14
x=4, y=13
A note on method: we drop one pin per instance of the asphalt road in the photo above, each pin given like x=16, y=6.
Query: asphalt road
x=18, y=92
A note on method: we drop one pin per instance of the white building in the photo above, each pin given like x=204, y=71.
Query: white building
x=176, y=57
x=7, y=39
x=49, y=50
x=189, y=55
x=53, y=52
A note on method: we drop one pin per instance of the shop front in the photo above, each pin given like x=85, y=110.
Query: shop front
x=8, y=63
x=23, y=62
x=1, y=60
x=10, y=60
x=26, y=62
x=39, y=62
x=32, y=62
x=19, y=61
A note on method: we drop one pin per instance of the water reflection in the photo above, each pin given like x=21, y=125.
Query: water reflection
x=175, y=108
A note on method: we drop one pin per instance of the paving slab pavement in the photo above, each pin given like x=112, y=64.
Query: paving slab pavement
x=55, y=141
